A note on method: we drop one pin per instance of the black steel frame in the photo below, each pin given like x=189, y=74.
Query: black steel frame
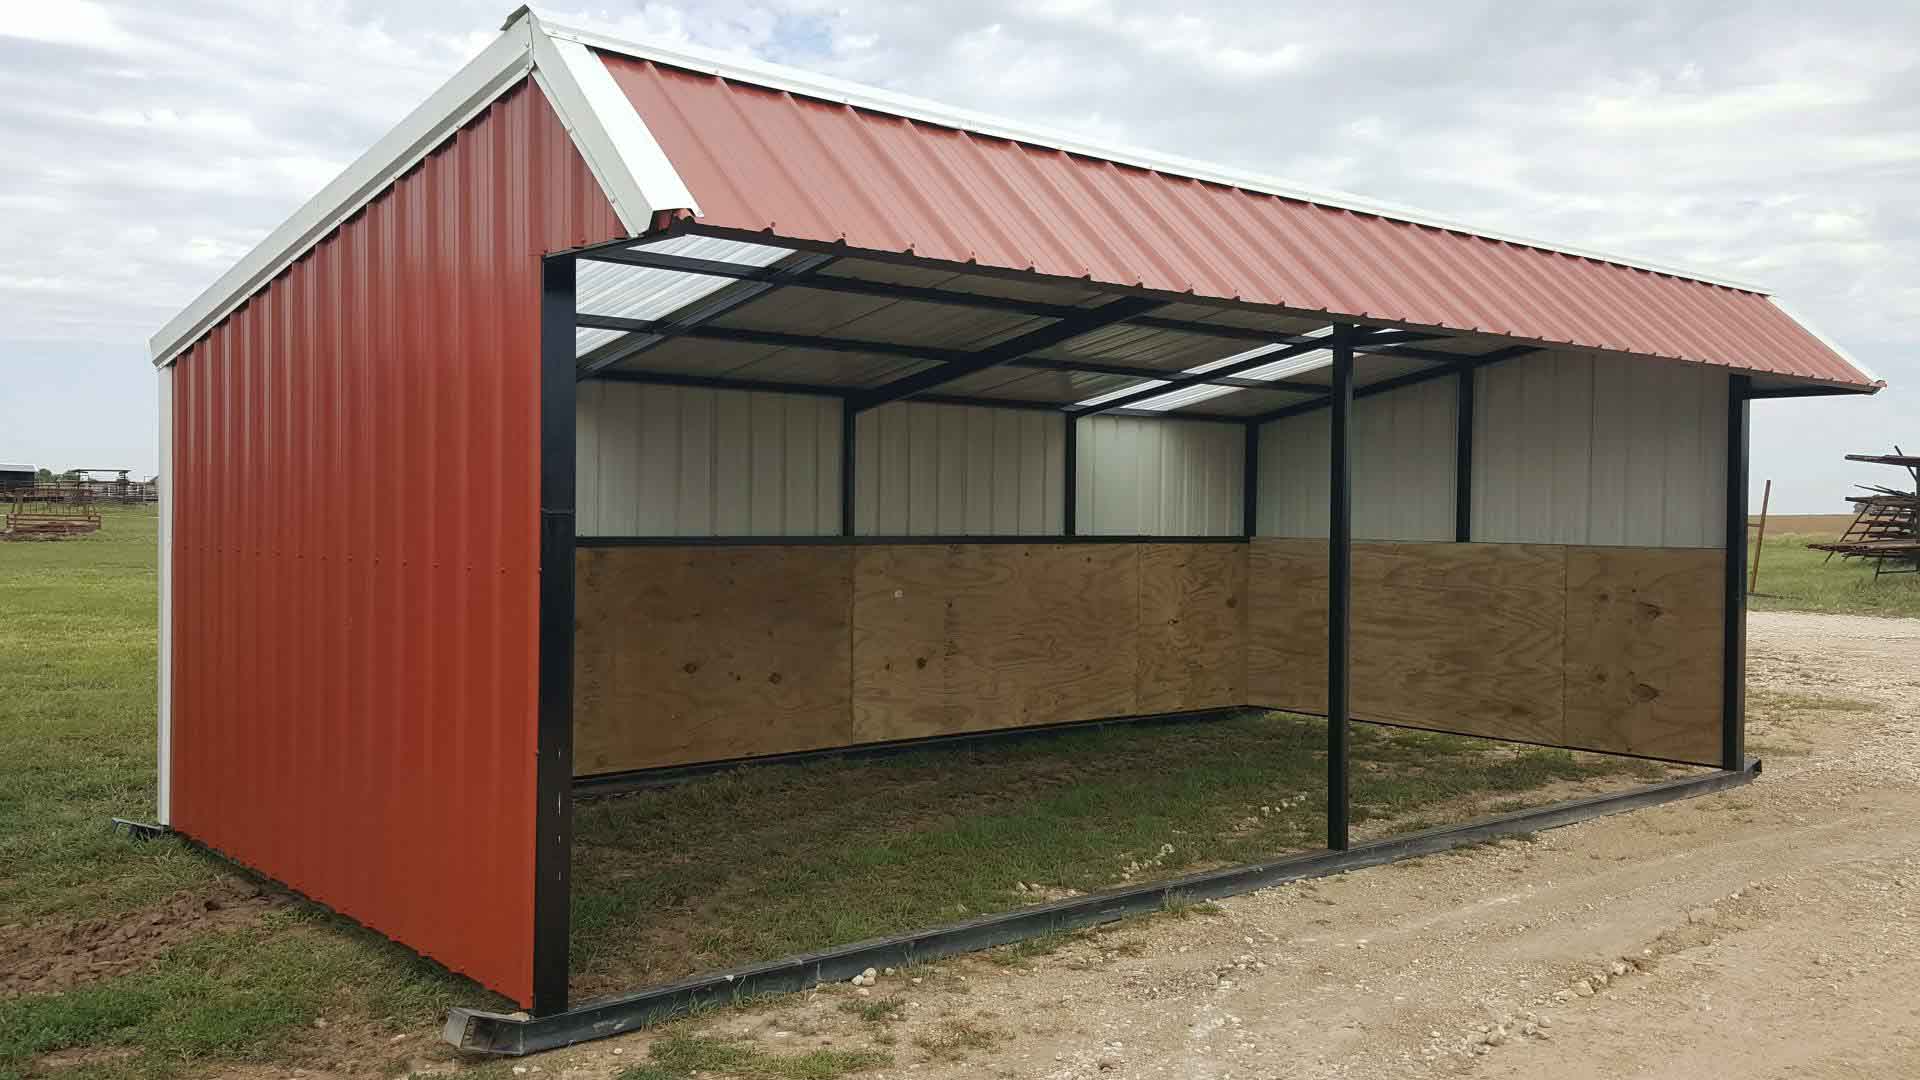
x=553, y=768
x=1733, y=648
x=492, y=1033
x=1339, y=588
x=555, y=1025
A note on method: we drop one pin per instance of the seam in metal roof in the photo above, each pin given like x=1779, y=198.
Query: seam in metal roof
x=808, y=84
x=889, y=173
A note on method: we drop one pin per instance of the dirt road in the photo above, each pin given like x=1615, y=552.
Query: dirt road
x=1772, y=931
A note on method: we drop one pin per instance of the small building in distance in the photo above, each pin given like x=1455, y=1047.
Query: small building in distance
x=17, y=476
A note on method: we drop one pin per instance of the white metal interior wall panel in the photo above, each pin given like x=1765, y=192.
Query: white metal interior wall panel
x=1403, y=467
x=689, y=461
x=959, y=470
x=1574, y=449
x=1142, y=476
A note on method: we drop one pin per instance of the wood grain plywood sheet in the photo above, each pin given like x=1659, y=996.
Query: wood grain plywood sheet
x=1461, y=637
x=1453, y=637
x=1287, y=624
x=686, y=654
x=974, y=637
x=1192, y=645
x=1644, y=644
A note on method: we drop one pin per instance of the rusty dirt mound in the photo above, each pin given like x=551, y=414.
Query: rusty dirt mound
x=43, y=959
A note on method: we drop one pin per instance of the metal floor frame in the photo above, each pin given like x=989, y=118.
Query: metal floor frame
x=495, y=1033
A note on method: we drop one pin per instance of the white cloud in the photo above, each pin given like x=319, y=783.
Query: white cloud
x=144, y=146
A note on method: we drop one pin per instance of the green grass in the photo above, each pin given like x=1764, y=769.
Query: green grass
x=760, y=863
x=751, y=864
x=77, y=706
x=681, y=1056
x=1792, y=578
x=77, y=714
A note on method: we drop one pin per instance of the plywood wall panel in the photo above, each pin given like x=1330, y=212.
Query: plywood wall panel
x=972, y=637
x=1643, y=651
x=1287, y=624
x=1608, y=649
x=686, y=654
x=1193, y=632
x=1461, y=637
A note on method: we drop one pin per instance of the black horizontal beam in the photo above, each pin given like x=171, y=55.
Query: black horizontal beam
x=718, y=382
x=925, y=294
x=1809, y=391
x=1174, y=381
x=779, y=340
x=842, y=540
x=768, y=386
x=1412, y=378
x=495, y=1033
x=1032, y=341
x=706, y=310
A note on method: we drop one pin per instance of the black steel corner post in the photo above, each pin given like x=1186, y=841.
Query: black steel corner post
x=1339, y=586
x=1733, y=652
x=1463, y=459
x=1070, y=479
x=849, y=442
x=553, y=772
x=1250, y=482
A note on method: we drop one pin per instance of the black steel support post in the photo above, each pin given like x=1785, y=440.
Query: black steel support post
x=1070, y=481
x=1463, y=459
x=1733, y=651
x=1250, y=484
x=1339, y=586
x=553, y=760
x=849, y=441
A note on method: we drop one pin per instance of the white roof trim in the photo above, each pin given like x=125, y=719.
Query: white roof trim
x=808, y=84
x=1856, y=363
x=622, y=154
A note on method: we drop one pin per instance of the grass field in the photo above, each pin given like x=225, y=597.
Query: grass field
x=1792, y=578
x=206, y=978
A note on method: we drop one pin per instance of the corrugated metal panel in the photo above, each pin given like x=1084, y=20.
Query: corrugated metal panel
x=637, y=292
x=1573, y=450
x=355, y=663
x=1403, y=467
x=784, y=165
x=685, y=461
x=959, y=470
x=1139, y=476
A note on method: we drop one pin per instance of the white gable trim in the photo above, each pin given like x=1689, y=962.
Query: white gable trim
x=632, y=170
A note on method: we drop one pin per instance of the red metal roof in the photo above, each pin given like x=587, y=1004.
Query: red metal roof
x=768, y=161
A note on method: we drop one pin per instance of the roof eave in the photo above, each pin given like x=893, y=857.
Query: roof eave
x=808, y=84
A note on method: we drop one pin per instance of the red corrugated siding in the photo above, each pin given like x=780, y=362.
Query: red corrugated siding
x=767, y=161
x=356, y=552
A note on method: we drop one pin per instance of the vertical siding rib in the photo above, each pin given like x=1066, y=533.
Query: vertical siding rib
x=685, y=461
x=957, y=470
x=1403, y=475
x=1144, y=476
x=356, y=552
x=1615, y=452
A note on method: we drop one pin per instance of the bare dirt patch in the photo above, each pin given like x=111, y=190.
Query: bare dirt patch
x=46, y=958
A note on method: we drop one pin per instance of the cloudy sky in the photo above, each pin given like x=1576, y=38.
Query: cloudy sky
x=144, y=147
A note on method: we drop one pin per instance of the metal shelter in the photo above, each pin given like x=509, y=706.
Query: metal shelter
x=669, y=309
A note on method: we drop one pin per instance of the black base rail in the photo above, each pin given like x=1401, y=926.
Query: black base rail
x=493, y=1033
